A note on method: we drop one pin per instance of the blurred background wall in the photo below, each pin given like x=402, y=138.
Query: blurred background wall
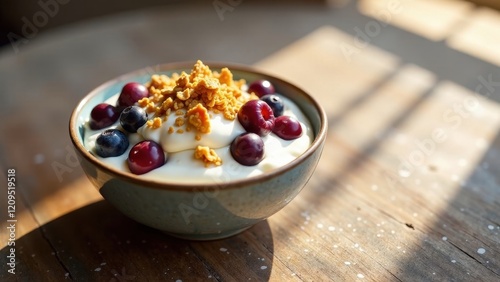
x=14, y=13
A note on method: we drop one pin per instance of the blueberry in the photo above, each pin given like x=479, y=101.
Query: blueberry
x=275, y=102
x=132, y=118
x=111, y=143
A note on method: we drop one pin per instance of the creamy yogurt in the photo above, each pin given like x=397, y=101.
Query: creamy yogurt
x=182, y=167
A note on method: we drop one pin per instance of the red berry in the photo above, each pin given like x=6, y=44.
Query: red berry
x=256, y=116
x=103, y=115
x=131, y=93
x=287, y=127
x=261, y=88
x=145, y=156
x=247, y=149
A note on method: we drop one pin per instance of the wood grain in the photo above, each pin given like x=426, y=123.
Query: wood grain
x=407, y=188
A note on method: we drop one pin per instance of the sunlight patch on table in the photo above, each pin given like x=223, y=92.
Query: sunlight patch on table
x=383, y=113
x=72, y=196
x=479, y=36
x=443, y=142
x=344, y=68
x=432, y=19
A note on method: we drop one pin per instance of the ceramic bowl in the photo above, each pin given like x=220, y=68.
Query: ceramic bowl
x=200, y=212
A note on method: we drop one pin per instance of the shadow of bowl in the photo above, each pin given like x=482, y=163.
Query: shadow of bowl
x=98, y=243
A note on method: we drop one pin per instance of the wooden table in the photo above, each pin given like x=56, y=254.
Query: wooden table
x=408, y=187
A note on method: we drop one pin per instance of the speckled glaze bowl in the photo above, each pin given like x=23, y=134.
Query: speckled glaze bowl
x=200, y=212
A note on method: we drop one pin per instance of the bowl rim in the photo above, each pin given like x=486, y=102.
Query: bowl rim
x=233, y=184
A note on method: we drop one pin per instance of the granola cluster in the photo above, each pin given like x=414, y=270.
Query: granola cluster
x=190, y=99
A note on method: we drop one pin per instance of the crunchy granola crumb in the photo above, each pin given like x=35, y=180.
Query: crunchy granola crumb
x=179, y=121
x=151, y=107
x=143, y=102
x=207, y=155
x=199, y=118
x=154, y=123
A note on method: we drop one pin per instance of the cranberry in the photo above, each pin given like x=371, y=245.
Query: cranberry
x=103, y=115
x=261, y=88
x=287, y=127
x=275, y=102
x=256, y=116
x=145, y=156
x=247, y=149
x=131, y=93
